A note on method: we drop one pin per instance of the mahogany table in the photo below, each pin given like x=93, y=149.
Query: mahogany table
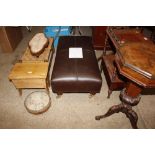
x=135, y=60
x=121, y=36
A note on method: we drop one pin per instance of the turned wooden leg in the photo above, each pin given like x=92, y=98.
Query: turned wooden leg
x=47, y=89
x=100, y=58
x=105, y=47
x=109, y=93
x=49, y=82
x=113, y=79
x=20, y=91
x=59, y=95
x=47, y=86
x=101, y=67
x=91, y=95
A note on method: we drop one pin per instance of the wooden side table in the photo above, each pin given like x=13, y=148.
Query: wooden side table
x=30, y=75
x=136, y=62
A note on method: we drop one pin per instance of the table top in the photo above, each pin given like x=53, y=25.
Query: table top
x=139, y=57
x=135, y=56
x=28, y=57
x=29, y=70
x=119, y=37
x=133, y=71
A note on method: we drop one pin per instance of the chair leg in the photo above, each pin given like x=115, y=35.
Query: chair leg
x=109, y=93
x=101, y=67
x=20, y=91
x=105, y=45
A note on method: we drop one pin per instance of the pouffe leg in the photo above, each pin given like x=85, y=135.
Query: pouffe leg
x=91, y=95
x=59, y=95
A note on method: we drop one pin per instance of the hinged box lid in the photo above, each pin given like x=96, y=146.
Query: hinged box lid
x=29, y=70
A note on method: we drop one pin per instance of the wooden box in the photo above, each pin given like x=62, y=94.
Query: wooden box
x=30, y=75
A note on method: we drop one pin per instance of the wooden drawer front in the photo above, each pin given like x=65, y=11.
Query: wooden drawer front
x=30, y=83
x=116, y=83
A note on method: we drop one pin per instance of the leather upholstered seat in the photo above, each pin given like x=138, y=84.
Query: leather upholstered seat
x=76, y=74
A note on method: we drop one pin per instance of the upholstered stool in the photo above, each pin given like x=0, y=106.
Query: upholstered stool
x=76, y=74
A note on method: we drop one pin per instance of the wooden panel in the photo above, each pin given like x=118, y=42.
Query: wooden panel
x=29, y=70
x=28, y=57
x=4, y=42
x=10, y=38
x=119, y=37
x=134, y=76
x=140, y=57
x=99, y=34
x=14, y=35
x=30, y=83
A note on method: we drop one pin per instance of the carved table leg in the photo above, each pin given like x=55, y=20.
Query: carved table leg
x=133, y=117
x=105, y=47
x=125, y=107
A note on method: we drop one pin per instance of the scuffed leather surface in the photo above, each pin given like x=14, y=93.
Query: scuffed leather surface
x=76, y=75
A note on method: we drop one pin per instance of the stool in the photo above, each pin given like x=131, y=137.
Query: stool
x=76, y=74
x=30, y=75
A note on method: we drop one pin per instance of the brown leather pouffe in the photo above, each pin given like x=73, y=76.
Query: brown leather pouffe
x=76, y=74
